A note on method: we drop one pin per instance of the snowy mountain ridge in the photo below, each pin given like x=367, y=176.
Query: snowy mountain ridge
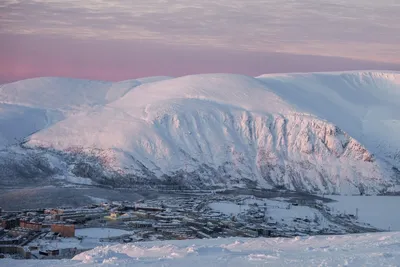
x=314, y=132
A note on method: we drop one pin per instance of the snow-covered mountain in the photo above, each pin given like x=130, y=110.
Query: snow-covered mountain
x=315, y=132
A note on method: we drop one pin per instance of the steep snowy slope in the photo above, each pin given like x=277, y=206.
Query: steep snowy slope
x=323, y=132
x=366, y=104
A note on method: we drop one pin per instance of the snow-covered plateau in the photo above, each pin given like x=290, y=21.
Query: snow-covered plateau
x=378, y=249
x=332, y=133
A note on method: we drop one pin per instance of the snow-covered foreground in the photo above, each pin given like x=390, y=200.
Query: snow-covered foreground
x=379, y=211
x=382, y=249
x=314, y=132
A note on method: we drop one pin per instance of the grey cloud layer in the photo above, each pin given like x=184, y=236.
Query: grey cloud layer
x=366, y=29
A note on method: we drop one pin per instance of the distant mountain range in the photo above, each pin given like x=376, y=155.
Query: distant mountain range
x=315, y=132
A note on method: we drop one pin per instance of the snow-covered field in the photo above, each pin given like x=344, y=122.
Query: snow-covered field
x=91, y=238
x=228, y=208
x=379, y=211
x=279, y=212
x=379, y=249
x=100, y=232
x=315, y=132
x=277, y=209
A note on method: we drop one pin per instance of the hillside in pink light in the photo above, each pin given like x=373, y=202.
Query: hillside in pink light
x=314, y=132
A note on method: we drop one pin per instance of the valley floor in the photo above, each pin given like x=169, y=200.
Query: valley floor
x=13, y=198
x=377, y=249
x=231, y=216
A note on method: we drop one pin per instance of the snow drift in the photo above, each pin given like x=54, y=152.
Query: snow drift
x=378, y=249
x=316, y=132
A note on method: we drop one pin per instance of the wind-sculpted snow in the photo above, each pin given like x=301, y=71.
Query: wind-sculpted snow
x=321, y=132
x=382, y=249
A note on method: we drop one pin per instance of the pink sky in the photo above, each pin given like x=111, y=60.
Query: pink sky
x=32, y=56
x=129, y=39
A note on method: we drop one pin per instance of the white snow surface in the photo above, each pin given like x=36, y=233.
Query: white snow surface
x=100, y=232
x=91, y=238
x=32, y=105
x=378, y=249
x=316, y=132
x=276, y=209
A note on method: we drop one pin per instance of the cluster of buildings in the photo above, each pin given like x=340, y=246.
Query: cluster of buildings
x=181, y=218
x=160, y=219
x=19, y=228
x=164, y=218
